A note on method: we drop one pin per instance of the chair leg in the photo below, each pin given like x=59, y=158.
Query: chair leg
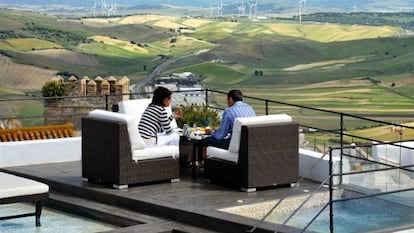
x=248, y=190
x=39, y=205
x=176, y=180
x=120, y=186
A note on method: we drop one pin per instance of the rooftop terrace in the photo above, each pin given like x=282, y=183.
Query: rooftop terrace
x=375, y=175
x=188, y=206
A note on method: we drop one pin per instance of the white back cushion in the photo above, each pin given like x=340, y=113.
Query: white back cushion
x=136, y=107
x=136, y=141
x=238, y=122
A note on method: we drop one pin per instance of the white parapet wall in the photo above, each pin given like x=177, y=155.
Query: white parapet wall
x=308, y=159
x=33, y=152
x=394, y=154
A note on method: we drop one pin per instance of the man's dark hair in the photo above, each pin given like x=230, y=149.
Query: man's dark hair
x=159, y=95
x=236, y=95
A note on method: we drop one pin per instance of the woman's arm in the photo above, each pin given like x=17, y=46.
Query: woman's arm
x=165, y=122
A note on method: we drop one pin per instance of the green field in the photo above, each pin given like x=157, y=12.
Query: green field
x=27, y=44
x=360, y=69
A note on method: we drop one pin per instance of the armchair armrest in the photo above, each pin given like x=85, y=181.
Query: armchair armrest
x=269, y=154
x=106, y=149
x=107, y=156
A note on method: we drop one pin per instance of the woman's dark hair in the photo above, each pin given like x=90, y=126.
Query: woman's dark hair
x=236, y=95
x=159, y=95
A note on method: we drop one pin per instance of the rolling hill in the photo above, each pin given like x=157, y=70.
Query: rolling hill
x=333, y=66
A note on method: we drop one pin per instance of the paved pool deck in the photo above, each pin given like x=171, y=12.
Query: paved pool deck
x=191, y=205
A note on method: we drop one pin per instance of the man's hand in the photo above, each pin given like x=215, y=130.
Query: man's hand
x=208, y=130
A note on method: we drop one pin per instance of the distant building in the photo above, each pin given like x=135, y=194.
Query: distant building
x=186, y=86
x=169, y=86
x=183, y=75
x=217, y=61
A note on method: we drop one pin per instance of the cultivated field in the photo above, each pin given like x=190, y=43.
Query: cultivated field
x=359, y=69
x=22, y=77
x=26, y=44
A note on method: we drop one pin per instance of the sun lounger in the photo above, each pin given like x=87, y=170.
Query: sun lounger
x=15, y=189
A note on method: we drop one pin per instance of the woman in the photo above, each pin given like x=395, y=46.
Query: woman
x=155, y=124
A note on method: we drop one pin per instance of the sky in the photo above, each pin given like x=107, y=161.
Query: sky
x=361, y=5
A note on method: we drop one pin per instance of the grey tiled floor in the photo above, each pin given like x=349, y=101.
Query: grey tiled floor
x=189, y=203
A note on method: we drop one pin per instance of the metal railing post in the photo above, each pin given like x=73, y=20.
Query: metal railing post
x=342, y=148
x=206, y=93
x=267, y=106
x=331, y=214
x=107, y=102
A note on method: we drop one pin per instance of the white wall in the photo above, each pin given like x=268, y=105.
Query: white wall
x=32, y=152
x=394, y=154
x=308, y=158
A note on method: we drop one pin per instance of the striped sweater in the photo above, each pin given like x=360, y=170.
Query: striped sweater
x=154, y=120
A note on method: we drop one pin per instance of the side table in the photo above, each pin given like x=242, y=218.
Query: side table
x=192, y=152
x=197, y=155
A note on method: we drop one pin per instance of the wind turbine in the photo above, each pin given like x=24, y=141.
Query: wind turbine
x=103, y=7
x=253, y=9
x=94, y=9
x=242, y=9
x=302, y=6
x=112, y=9
x=211, y=10
x=354, y=7
x=219, y=8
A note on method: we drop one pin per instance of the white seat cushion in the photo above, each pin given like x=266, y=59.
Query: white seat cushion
x=15, y=186
x=238, y=122
x=154, y=152
x=135, y=139
x=215, y=152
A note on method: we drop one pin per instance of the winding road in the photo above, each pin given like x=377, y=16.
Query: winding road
x=136, y=88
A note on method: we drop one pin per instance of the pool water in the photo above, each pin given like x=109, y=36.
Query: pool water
x=351, y=216
x=349, y=219
x=51, y=220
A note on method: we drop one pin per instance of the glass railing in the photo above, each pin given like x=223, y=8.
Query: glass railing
x=367, y=191
x=320, y=128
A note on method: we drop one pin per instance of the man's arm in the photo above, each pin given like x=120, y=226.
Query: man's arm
x=224, y=127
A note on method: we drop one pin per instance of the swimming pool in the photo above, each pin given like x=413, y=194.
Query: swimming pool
x=52, y=221
x=352, y=217
x=359, y=215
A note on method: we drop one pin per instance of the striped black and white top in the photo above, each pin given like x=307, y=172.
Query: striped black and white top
x=154, y=120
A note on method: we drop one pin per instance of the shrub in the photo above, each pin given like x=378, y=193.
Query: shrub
x=53, y=88
x=199, y=115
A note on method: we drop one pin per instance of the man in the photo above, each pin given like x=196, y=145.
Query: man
x=237, y=108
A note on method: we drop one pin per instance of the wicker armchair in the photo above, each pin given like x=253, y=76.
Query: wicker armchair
x=107, y=156
x=266, y=155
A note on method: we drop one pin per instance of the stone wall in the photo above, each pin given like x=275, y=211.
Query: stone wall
x=84, y=95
